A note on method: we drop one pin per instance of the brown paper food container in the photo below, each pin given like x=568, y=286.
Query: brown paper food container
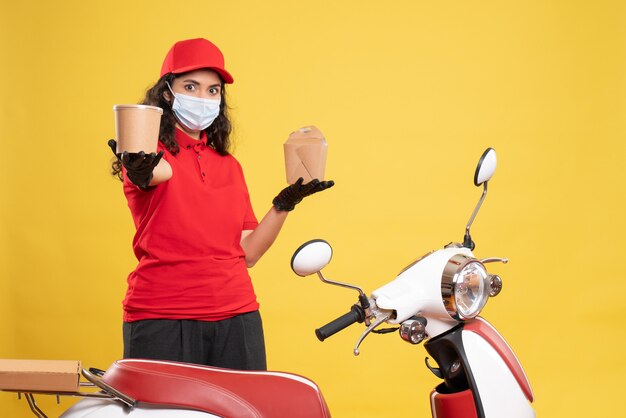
x=137, y=127
x=305, y=155
x=39, y=375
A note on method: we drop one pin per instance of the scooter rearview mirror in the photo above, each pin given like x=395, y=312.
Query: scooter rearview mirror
x=486, y=167
x=484, y=171
x=311, y=257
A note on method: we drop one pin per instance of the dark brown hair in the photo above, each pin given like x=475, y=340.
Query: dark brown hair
x=218, y=134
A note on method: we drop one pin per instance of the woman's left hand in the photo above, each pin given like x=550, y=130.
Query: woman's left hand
x=291, y=195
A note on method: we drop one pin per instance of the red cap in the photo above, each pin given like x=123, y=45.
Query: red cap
x=193, y=54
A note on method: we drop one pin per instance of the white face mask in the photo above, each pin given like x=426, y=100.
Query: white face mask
x=195, y=113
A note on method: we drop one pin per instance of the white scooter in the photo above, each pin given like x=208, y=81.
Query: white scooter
x=437, y=298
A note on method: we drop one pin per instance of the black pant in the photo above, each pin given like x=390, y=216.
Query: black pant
x=234, y=343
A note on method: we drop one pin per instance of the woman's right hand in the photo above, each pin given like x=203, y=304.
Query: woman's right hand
x=291, y=195
x=139, y=165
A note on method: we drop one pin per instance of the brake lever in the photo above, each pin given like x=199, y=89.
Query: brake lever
x=379, y=320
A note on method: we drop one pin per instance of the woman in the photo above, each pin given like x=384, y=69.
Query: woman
x=190, y=298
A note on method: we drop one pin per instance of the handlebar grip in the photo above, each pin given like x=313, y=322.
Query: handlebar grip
x=356, y=314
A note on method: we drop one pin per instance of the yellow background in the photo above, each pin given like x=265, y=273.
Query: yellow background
x=408, y=94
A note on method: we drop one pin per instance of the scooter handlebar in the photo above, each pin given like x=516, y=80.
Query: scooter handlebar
x=356, y=314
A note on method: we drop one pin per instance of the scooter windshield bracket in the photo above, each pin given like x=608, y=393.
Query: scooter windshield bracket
x=494, y=260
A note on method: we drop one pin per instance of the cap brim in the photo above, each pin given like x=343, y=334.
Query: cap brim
x=228, y=79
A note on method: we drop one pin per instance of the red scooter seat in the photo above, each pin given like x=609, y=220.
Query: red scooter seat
x=223, y=392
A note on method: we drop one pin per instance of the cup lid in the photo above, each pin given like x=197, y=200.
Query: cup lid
x=136, y=106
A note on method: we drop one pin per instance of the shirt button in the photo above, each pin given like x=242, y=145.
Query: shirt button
x=198, y=157
x=203, y=173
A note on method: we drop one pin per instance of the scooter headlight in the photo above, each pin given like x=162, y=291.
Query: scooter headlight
x=464, y=287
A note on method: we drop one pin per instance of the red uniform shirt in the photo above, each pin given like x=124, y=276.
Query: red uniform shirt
x=191, y=264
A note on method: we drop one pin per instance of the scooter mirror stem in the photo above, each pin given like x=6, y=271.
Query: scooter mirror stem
x=346, y=285
x=467, y=239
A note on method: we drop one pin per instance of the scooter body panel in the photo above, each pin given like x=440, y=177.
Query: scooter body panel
x=497, y=387
x=476, y=364
x=483, y=328
x=106, y=408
